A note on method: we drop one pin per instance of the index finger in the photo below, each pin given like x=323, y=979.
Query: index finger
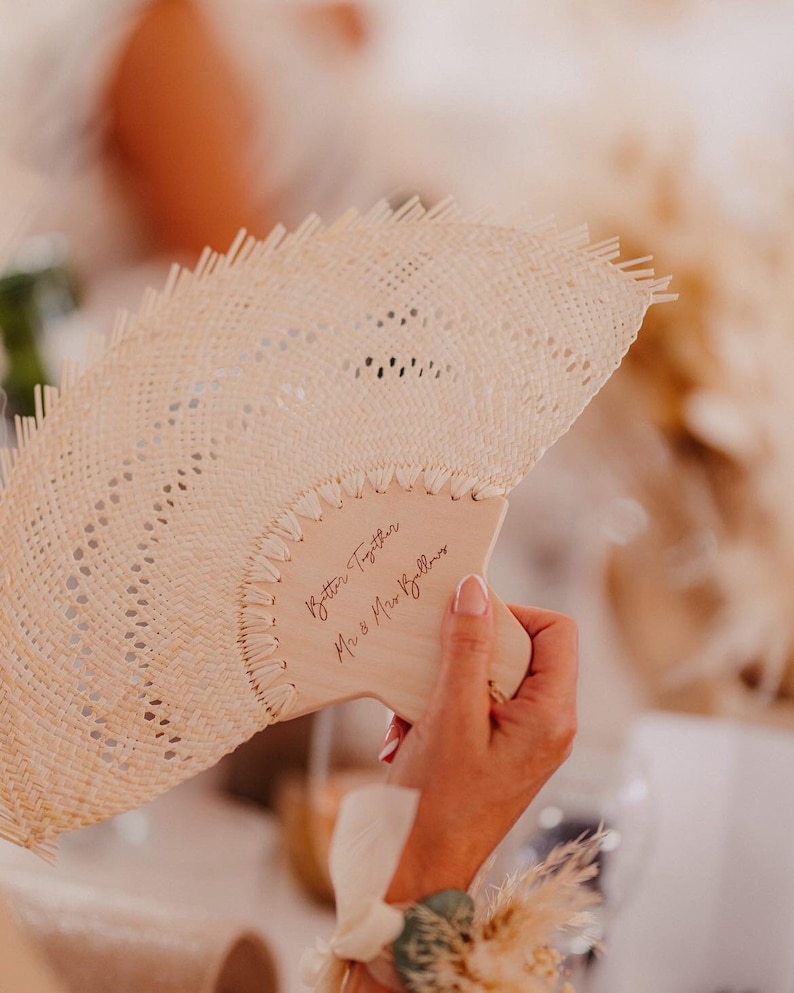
x=555, y=652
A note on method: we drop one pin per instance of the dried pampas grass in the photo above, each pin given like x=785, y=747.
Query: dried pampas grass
x=704, y=595
x=510, y=945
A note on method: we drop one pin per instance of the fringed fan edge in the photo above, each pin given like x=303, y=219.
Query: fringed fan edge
x=247, y=250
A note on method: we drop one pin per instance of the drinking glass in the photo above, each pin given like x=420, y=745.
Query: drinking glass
x=598, y=787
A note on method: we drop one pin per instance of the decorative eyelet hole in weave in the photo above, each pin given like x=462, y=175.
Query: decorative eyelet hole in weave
x=224, y=415
x=389, y=366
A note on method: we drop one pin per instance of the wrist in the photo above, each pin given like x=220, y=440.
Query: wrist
x=427, y=868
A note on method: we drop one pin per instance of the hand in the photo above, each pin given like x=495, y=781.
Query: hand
x=479, y=763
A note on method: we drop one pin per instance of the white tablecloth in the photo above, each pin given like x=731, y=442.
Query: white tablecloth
x=195, y=848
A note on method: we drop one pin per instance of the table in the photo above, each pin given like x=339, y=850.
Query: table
x=198, y=849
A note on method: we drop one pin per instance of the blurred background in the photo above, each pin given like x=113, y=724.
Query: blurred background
x=135, y=132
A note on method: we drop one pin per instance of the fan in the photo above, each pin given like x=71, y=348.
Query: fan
x=258, y=499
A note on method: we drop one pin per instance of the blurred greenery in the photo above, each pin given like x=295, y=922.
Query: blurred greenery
x=30, y=298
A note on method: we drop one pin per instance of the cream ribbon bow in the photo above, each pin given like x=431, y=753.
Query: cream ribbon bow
x=371, y=831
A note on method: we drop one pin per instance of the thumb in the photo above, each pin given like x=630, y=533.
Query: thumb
x=467, y=636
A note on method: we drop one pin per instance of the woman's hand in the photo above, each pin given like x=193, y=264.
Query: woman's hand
x=479, y=763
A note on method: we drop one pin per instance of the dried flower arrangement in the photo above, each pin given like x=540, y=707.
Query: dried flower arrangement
x=703, y=596
x=506, y=942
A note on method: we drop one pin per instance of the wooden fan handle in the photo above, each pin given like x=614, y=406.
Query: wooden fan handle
x=358, y=602
x=512, y=652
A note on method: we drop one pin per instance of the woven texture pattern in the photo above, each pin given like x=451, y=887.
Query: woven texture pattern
x=148, y=504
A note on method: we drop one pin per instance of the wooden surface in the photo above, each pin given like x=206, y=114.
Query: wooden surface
x=359, y=605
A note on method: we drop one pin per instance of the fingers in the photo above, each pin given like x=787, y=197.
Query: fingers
x=467, y=633
x=555, y=653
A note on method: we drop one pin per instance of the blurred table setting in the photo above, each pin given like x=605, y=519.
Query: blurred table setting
x=697, y=862
x=192, y=892
x=713, y=907
x=697, y=874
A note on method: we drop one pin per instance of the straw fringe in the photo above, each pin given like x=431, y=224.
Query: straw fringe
x=264, y=669
x=380, y=478
x=309, y=506
x=114, y=564
x=436, y=478
x=15, y=819
x=11, y=828
x=576, y=239
x=331, y=493
x=288, y=526
x=607, y=250
x=407, y=476
x=258, y=622
x=279, y=702
x=353, y=485
x=265, y=673
x=267, y=572
x=246, y=250
x=275, y=548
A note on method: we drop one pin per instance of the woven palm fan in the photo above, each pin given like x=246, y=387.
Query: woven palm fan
x=258, y=499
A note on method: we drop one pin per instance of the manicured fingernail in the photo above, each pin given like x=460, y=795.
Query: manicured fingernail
x=394, y=736
x=471, y=596
x=388, y=750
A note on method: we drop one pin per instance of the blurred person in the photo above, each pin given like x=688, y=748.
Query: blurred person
x=223, y=118
x=164, y=126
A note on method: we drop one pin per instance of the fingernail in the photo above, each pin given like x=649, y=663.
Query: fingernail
x=388, y=750
x=394, y=736
x=471, y=597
